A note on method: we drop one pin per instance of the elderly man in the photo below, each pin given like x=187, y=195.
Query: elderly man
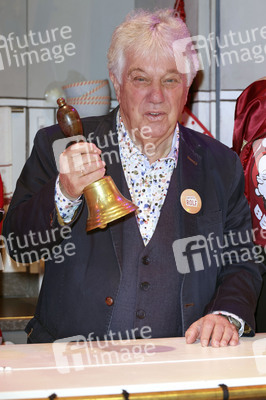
x=162, y=269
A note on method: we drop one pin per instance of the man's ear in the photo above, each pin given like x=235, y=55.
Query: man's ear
x=186, y=91
x=116, y=85
x=184, y=99
x=186, y=96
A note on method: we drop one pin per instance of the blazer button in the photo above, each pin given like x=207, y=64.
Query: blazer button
x=140, y=314
x=109, y=301
x=146, y=260
x=145, y=286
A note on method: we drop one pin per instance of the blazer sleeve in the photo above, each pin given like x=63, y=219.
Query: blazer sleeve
x=32, y=209
x=239, y=280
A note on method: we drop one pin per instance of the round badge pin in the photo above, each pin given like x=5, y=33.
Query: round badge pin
x=191, y=201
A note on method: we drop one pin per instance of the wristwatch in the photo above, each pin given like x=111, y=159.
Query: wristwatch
x=233, y=321
x=246, y=330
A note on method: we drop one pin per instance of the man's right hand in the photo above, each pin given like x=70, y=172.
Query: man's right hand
x=80, y=165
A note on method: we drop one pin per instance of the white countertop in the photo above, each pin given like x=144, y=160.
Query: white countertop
x=150, y=365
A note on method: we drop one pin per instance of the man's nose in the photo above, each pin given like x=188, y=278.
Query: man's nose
x=156, y=94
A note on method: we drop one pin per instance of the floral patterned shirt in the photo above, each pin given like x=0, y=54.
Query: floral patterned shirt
x=65, y=206
x=147, y=183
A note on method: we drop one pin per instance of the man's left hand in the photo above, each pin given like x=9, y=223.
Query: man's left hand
x=213, y=329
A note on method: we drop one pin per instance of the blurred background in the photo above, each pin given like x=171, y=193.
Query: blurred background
x=47, y=45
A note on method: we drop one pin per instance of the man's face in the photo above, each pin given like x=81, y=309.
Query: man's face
x=151, y=95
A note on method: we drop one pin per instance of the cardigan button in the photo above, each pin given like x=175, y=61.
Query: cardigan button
x=109, y=301
x=146, y=260
x=140, y=314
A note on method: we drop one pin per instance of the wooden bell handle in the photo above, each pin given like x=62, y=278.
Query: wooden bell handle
x=68, y=119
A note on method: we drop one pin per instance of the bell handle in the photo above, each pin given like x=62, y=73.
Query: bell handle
x=68, y=119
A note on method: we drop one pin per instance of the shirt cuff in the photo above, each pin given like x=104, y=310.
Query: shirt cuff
x=240, y=320
x=65, y=207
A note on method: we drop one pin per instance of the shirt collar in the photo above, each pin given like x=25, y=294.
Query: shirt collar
x=128, y=148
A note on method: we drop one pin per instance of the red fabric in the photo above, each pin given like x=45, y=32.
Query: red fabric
x=1, y=199
x=179, y=8
x=249, y=142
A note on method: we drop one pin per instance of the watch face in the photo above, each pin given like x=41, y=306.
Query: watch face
x=235, y=322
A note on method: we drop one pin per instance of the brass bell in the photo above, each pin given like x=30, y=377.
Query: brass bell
x=105, y=202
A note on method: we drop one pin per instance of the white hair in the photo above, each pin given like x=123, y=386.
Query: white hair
x=158, y=33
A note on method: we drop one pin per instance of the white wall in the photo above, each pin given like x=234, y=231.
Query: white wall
x=240, y=63
x=90, y=25
x=243, y=33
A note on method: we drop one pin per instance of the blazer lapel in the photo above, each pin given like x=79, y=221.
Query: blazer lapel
x=189, y=178
x=110, y=154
